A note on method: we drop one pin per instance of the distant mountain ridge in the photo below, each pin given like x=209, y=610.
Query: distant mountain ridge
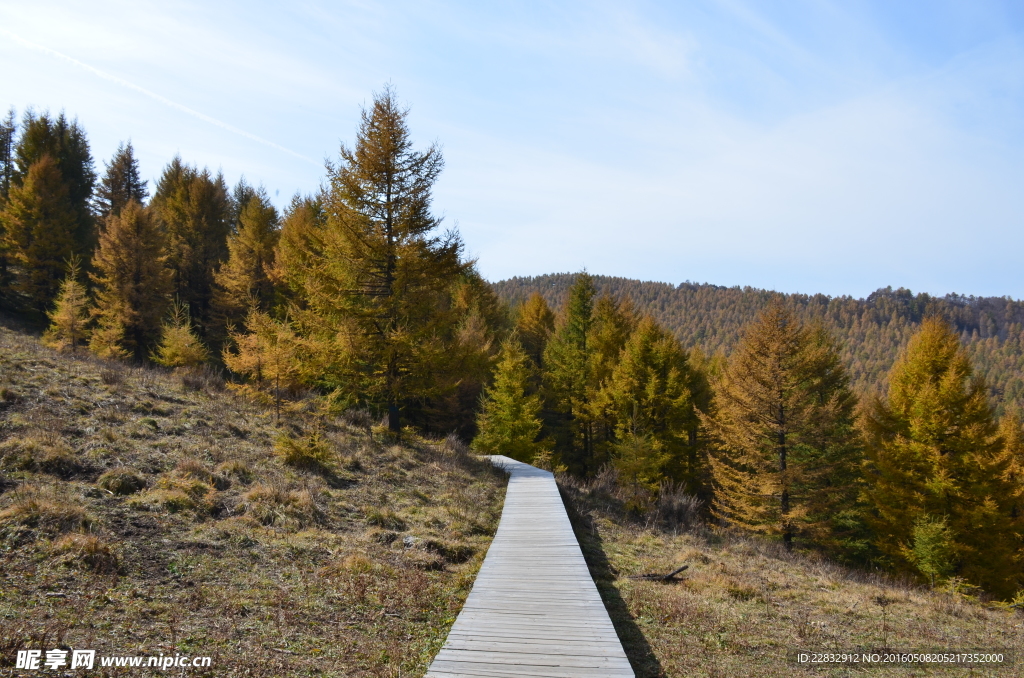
x=873, y=331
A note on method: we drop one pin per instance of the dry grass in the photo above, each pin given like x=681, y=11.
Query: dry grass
x=746, y=603
x=193, y=522
x=121, y=481
x=34, y=511
x=87, y=552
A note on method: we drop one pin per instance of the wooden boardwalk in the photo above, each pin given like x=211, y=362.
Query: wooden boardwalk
x=533, y=610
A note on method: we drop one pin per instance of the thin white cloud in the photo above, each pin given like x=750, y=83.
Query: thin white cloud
x=153, y=95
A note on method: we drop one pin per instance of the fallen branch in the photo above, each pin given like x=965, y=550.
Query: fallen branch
x=671, y=576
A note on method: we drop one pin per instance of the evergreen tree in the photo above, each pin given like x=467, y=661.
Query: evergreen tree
x=193, y=210
x=245, y=278
x=69, y=318
x=509, y=421
x=121, y=183
x=535, y=323
x=378, y=297
x=938, y=469
x=39, y=223
x=65, y=143
x=788, y=453
x=132, y=282
x=179, y=346
x=568, y=379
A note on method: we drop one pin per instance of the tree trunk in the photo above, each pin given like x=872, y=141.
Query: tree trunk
x=394, y=422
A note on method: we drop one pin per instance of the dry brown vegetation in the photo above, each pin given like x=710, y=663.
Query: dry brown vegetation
x=745, y=604
x=145, y=512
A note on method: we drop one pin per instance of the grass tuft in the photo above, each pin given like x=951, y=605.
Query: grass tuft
x=311, y=452
x=287, y=509
x=87, y=552
x=39, y=511
x=122, y=481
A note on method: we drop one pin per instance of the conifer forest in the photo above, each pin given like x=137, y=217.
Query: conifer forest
x=884, y=433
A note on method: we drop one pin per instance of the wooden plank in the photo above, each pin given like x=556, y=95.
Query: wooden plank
x=534, y=610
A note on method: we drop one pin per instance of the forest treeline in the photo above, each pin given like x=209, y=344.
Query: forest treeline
x=871, y=331
x=859, y=428
x=355, y=293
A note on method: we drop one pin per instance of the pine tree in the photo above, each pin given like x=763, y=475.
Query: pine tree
x=132, y=282
x=39, y=233
x=568, y=379
x=179, y=346
x=509, y=422
x=935, y=459
x=121, y=183
x=193, y=209
x=245, y=278
x=65, y=143
x=535, y=323
x=70, y=316
x=378, y=297
x=787, y=449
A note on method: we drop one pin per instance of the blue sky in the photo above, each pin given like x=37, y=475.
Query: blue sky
x=813, y=146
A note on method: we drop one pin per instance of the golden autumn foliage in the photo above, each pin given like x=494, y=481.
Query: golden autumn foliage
x=787, y=454
x=941, y=480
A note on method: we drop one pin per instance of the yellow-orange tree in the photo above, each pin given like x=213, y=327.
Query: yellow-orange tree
x=939, y=476
x=375, y=300
x=787, y=456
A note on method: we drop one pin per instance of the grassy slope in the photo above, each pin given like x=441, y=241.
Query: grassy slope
x=745, y=603
x=271, y=569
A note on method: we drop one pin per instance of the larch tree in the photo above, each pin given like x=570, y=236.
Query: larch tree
x=481, y=323
x=535, y=323
x=121, y=183
x=648, y=396
x=787, y=454
x=299, y=245
x=568, y=379
x=8, y=135
x=132, y=284
x=613, y=324
x=40, y=226
x=939, y=477
x=193, y=210
x=269, y=354
x=179, y=346
x=70, y=316
x=377, y=296
x=65, y=143
x=244, y=280
x=509, y=422
x=1011, y=430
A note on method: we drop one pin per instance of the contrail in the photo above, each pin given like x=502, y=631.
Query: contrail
x=157, y=97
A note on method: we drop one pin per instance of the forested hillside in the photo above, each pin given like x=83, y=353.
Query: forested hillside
x=872, y=331
x=738, y=404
